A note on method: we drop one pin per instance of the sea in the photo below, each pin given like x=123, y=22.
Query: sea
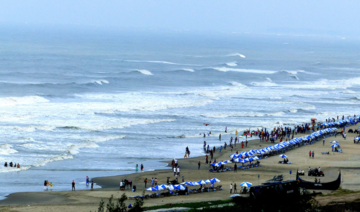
x=96, y=102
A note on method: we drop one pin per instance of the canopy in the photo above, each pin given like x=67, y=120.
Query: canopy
x=283, y=156
x=246, y=184
x=334, y=142
x=335, y=145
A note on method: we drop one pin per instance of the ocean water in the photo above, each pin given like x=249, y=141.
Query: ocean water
x=77, y=103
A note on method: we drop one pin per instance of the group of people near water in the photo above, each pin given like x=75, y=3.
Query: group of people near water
x=12, y=165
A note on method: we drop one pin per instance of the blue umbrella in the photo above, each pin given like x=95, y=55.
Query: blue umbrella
x=283, y=156
x=187, y=183
x=335, y=145
x=215, y=180
x=201, y=182
x=246, y=184
x=151, y=189
x=179, y=187
x=334, y=142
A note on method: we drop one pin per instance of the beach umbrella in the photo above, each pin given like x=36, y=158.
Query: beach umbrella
x=256, y=158
x=208, y=181
x=334, y=142
x=234, y=155
x=246, y=160
x=227, y=161
x=335, y=145
x=151, y=189
x=195, y=183
x=215, y=180
x=239, y=160
x=171, y=187
x=179, y=187
x=201, y=182
x=283, y=156
x=187, y=183
x=246, y=184
x=159, y=188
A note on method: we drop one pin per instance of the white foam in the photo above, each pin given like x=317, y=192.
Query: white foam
x=293, y=111
x=105, y=138
x=56, y=158
x=100, y=82
x=31, y=128
x=12, y=101
x=232, y=64
x=236, y=54
x=146, y=72
x=255, y=71
x=6, y=149
x=264, y=84
x=188, y=69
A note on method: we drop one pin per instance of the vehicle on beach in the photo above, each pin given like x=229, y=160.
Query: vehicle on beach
x=316, y=173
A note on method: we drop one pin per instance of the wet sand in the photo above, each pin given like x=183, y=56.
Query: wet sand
x=88, y=200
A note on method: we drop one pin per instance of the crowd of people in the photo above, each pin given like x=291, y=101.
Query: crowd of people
x=12, y=165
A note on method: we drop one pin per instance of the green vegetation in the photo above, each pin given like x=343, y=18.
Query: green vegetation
x=190, y=205
x=119, y=205
x=341, y=192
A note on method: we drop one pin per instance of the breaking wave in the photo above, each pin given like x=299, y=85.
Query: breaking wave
x=236, y=54
x=145, y=72
x=226, y=69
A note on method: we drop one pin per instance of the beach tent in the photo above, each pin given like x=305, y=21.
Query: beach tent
x=201, y=182
x=334, y=142
x=151, y=189
x=180, y=187
x=208, y=181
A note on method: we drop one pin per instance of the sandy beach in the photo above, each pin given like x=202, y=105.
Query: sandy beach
x=85, y=200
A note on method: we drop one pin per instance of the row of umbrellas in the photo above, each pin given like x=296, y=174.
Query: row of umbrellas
x=281, y=145
x=182, y=185
x=351, y=120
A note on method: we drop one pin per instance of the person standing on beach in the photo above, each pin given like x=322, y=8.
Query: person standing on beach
x=174, y=171
x=225, y=129
x=73, y=185
x=313, y=154
x=206, y=159
x=235, y=168
x=142, y=167
x=310, y=154
x=173, y=163
x=220, y=148
x=324, y=141
x=231, y=187
x=145, y=181
x=219, y=137
x=242, y=144
x=235, y=188
x=178, y=171
x=246, y=143
x=92, y=185
x=199, y=165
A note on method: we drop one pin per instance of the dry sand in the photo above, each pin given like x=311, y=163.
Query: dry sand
x=88, y=200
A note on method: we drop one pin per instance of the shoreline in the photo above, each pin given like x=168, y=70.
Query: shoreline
x=86, y=200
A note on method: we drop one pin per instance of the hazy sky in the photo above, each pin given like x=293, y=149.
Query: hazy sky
x=330, y=16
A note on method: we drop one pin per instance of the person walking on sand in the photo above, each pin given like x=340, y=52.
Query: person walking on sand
x=231, y=187
x=142, y=167
x=178, y=171
x=246, y=142
x=73, y=185
x=153, y=181
x=174, y=171
x=324, y=141
x=242, y=144
x=92, y=185
x=235, y=167
x=310, y=154
x=235, y=188
x=206, y=159
x=313, y=154
x=199, y=165
x=220, y=148
x=145, y=181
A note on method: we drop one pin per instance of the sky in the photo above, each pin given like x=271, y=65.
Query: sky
x=275, y=16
